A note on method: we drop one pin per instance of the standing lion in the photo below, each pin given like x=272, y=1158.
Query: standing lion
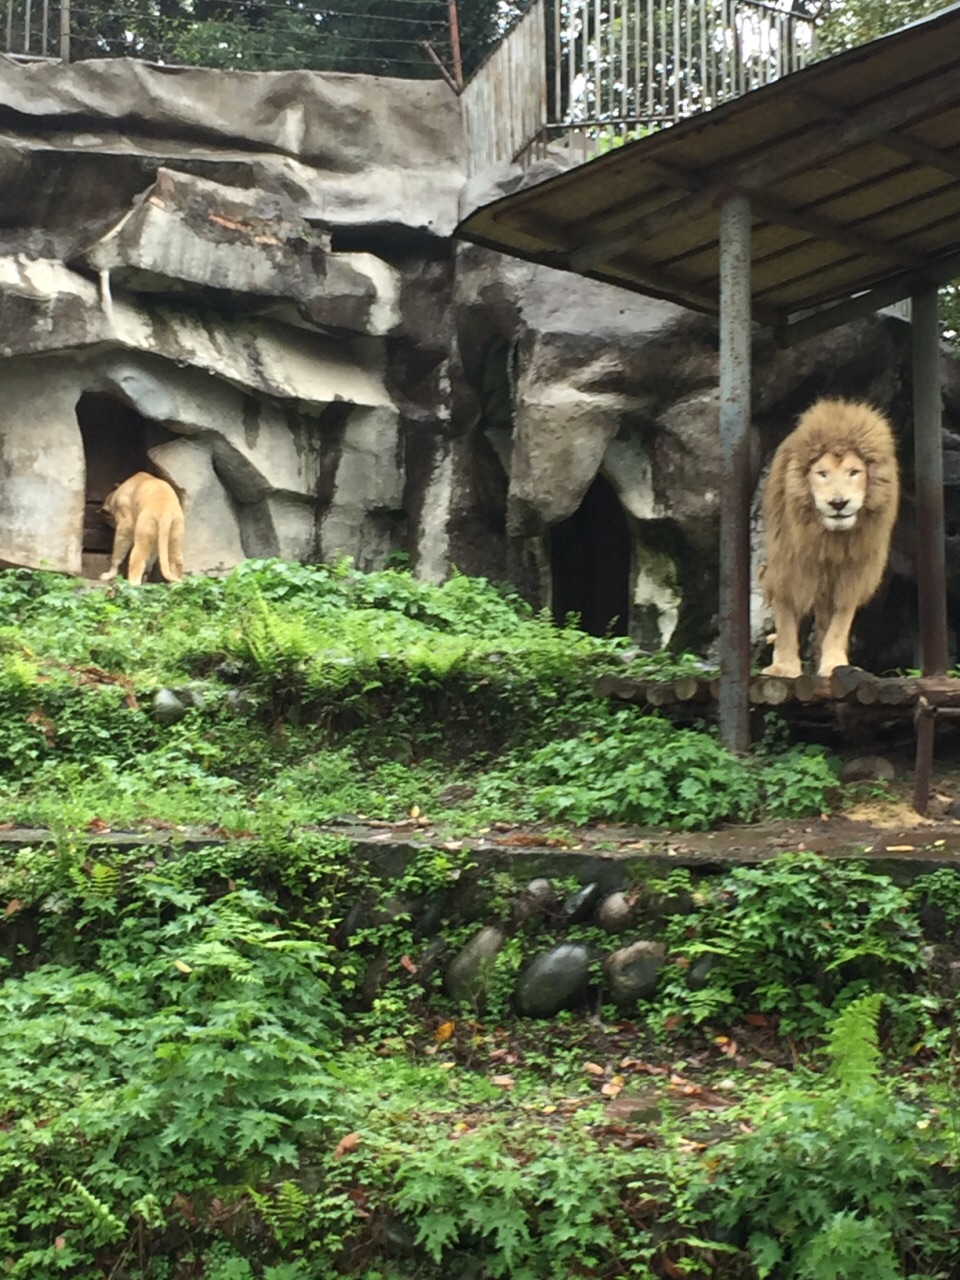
x=829, y=506
x=148, y=518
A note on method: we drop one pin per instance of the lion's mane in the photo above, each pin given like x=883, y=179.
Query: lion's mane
x=808, y=566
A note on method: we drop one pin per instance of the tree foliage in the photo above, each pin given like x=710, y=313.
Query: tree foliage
x=378, y=37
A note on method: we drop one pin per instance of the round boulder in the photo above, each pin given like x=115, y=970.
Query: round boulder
x=632, y=972
x=558, y=979
x=470, y=971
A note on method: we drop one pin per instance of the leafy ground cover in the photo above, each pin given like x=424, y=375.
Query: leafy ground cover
x=241, y=1062
x=321, y=692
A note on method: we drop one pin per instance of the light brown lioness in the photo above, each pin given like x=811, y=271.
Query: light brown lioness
x=829, y=507
x=148, y=518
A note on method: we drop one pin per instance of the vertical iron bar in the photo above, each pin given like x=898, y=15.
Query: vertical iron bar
x=735, y=332
x=557, y=52
x=928, y=456
x=597, y=50
x=650, y=58
x=26, y=26
x=624, y=41
x=676, y=60
x=704, y=65
x=45, y=27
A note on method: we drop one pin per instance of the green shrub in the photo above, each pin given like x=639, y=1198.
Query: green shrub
x=834, y=1180
x=795, y=938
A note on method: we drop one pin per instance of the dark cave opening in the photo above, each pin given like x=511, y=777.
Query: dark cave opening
x=116, y=441
x=590, y=563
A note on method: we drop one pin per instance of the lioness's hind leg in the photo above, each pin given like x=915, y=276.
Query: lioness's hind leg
x=139, y=559
x=122, y=542
x=175, y=552
x=786, y=646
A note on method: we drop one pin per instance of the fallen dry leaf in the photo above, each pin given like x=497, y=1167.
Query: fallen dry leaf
x=503, y=1082
x=408, y=964
x=444, y=1032
x=13, y=906
x=348, y=1143
x=594, y=1069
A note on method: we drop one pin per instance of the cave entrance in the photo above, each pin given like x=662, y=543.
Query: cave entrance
x=590, y=563
x=116, y=440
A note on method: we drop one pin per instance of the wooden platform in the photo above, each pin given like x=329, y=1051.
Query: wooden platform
x=852, y=703
x=849, y=686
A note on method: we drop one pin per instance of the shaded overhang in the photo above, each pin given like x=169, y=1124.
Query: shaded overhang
x=851, y=166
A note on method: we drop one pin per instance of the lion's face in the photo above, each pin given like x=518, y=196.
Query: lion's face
x=838, y=487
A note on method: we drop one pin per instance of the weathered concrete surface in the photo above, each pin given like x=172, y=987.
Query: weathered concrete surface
x=189, y=235
x=350, y=150
x=41, y=469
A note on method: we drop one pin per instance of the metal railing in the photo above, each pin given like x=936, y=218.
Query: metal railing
x=37, y=28
x=593, y=73
x=617, y=69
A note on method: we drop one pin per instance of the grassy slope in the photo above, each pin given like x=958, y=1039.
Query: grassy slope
x=241, y=1062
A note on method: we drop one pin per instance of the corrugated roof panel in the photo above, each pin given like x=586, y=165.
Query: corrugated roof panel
x=853, y=165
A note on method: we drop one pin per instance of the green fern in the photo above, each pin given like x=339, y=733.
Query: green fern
x=852, y=1044
x=108, y=1225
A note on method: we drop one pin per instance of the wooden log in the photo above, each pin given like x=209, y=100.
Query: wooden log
x=868, y=692
x=844, y=681
x=624, y=687
x=811, y=689
x=897, y=692
x=939, y=691
x=776, y=690
x=661, y=693
x=690, y=689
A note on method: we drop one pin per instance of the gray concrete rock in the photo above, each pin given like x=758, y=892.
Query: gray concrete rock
x=366, y=490
x=558, y=979
x=615, y=912
x=868, y=769
x=579, y=906
x=469, y=974
x=351, y=150
x=190, y=235
x=632, y=972
x=167, y=707
x=212, y=542
x=538, y=897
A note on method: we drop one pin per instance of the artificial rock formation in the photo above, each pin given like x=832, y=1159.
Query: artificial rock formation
x=247, y=283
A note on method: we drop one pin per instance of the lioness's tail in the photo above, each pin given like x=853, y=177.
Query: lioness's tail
x=170, y=545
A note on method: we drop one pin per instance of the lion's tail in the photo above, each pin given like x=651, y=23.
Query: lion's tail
x=170, y=545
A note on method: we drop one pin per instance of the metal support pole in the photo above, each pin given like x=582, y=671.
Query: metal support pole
x=928, y=456
x=735, y=330
x=64, y=30
x=931, y=566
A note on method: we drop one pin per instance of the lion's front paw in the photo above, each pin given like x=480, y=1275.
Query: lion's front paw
x=789, y=670
x=108, y=576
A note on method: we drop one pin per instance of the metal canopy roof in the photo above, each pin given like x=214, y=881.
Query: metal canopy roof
x=852, y=167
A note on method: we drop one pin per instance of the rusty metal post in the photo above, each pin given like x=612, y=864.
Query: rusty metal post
x=923, y=723
x=735, y=333
x=928, y=458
